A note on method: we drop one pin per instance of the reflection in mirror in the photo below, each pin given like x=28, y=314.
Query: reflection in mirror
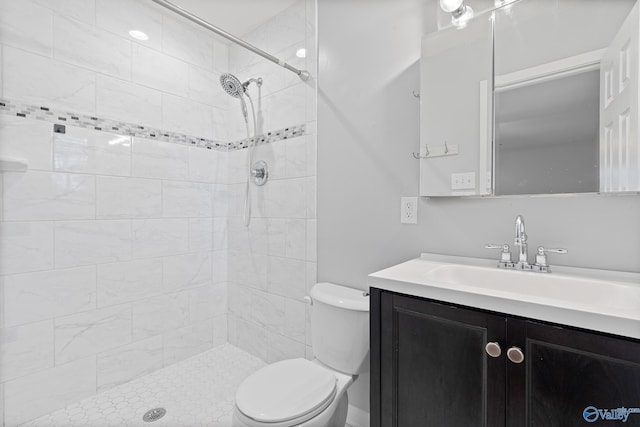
x=546, y=136
x=549, y=58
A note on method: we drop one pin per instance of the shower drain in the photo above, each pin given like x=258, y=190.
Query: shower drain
x=154, y=414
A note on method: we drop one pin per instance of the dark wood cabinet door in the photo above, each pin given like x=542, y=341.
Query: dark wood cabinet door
x=432, y=368
x=571, y=378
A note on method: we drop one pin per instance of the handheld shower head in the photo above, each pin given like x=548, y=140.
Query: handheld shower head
x=232, y=85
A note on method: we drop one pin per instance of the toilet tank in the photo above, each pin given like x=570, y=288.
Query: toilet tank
x=340, y=326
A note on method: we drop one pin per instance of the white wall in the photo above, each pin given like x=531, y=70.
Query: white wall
x=368, y=127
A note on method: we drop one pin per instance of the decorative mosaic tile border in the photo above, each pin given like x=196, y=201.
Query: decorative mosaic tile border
x=57, y=117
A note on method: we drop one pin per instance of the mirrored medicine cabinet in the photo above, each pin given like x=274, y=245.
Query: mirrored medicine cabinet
x=535, y=97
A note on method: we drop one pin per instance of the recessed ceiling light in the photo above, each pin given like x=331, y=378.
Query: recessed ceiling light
x=137, y=34
x=301, y=53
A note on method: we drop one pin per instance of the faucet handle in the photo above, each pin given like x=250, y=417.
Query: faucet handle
x=542, y=264
x=505, y=254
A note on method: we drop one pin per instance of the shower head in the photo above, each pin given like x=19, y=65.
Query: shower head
x=232, y=85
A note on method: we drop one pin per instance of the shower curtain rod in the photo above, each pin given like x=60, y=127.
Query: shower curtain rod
x=303, y=74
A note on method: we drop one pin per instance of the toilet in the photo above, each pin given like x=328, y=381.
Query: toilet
x=300, y=392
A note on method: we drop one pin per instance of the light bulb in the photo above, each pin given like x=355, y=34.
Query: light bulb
x=301, y=53
x=450, y=5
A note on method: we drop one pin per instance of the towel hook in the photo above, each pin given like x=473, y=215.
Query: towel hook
x=416, y=94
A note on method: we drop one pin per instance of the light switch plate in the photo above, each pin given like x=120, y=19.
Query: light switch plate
x=409, y=210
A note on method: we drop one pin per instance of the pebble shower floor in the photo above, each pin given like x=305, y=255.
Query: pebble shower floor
x=199, y=391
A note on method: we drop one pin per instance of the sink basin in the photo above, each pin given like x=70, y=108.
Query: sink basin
x=555, y=287
x=599, y=300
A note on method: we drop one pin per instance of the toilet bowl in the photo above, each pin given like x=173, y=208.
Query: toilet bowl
x=299, y=392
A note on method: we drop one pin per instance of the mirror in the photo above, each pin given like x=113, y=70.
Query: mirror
x=562, y=110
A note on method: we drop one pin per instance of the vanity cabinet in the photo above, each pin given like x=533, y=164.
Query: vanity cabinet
x=430, y=367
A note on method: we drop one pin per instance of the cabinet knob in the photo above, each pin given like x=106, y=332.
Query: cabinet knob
x=493, y=349
x=515, y=355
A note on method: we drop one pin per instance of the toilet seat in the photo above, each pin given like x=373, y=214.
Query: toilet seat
x=290, y=390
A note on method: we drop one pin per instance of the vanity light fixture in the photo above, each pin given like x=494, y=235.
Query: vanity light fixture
x=460, y=13
x=138, y=35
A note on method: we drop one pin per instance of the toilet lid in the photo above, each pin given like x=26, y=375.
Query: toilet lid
x=285, y=391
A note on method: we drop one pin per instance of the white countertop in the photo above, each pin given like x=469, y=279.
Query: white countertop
x=599, y=300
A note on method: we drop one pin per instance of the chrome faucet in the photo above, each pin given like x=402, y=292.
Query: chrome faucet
x=520, y=240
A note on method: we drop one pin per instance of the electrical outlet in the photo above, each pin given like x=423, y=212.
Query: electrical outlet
x=463, y=181
x=409, y=210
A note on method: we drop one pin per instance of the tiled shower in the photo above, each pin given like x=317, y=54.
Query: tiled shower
x=122, y=247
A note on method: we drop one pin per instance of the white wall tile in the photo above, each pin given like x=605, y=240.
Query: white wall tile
x=128, y=362
x=157, y=159
x=286, y=107
x=158, y=71
x=66, y=86
x=240, y=301
x=90, y=151
x=311, y=196
x=48, y=196
x=91, y=47
x=92, y=332
x=287, y=277
x=295, y=319
x=220, y=57
x=43, y=295
x=82, y=10
x=204, y=87
x=159, y=314
x=185, y=271
x=311, y=274
x=26, y=349
x=25, y=247
x=248, y=269
x=128, y=197
x=121, y=16
x=208, y=301
x=281, y=348
x=188, y=341
x=286, y=198
x=312, y=240
x=92, y=242
x=187, y=41
x=186, y=199
x=251, y=338
x=43, y=392
x=268, y=311
x=220, y=266
x=296, y=157
x=296, y=238
x=287, y=27
x=207, y=165
x=186, y=116
x=159, y=237
x=128, y=281
x=26, y=139
x=26, y=25
x=120, y=100
x=201, y=234
x=221, y=200
x=220, y=330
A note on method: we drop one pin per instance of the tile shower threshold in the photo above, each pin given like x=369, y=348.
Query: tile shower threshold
x=199, y=391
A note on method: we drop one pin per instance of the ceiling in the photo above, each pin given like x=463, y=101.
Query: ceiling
x=237, y=17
